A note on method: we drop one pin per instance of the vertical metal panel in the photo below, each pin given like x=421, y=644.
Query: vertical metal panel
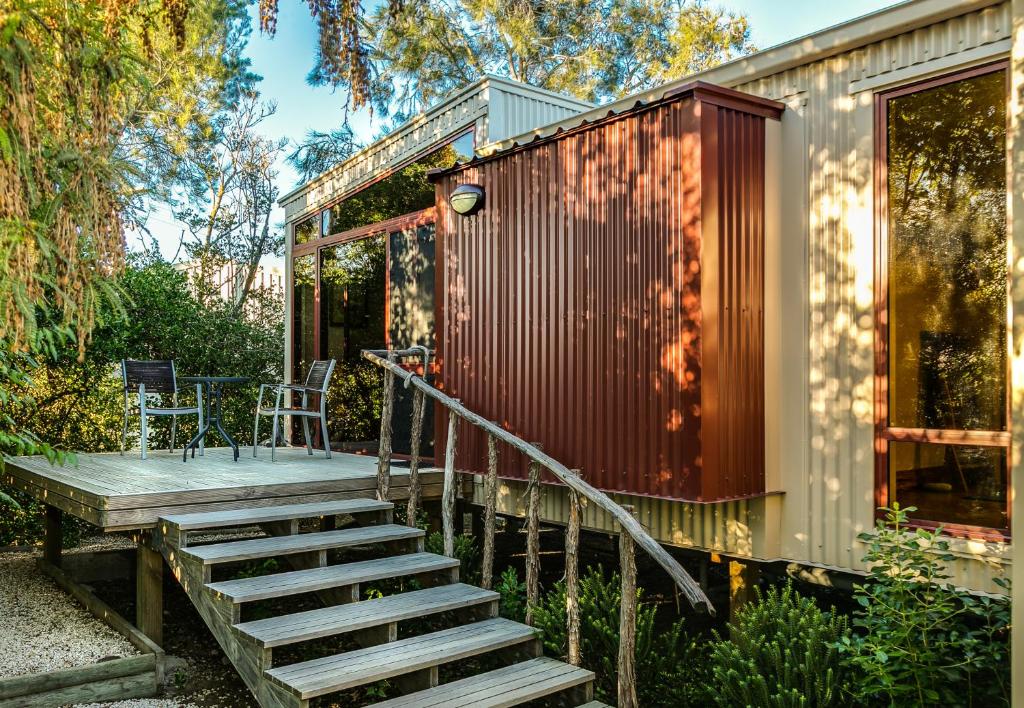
x=573, y=303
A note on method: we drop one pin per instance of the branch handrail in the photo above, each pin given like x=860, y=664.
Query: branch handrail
x=386, y=359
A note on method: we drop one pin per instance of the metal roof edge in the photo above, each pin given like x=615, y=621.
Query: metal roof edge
x=417, y=119
x=700, y=90
x=525, y=89
x=854, y=33
x=477, y=86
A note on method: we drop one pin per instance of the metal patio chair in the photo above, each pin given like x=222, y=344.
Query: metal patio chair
x=155, y=378
x=317, y=381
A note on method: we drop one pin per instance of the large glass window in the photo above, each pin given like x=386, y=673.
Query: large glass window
x=403, y=192
x=352, y=300
x=411, y=321
x=946, y=297
x=303, y=303
x=306, y=231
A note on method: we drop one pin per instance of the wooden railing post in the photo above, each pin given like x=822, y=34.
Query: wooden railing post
x=490, y=511
x=533, y=542
x=384, y=451
x=448, y=495
x=572, y=557
x=627, y=620
x=539, y=460
x=418, y=408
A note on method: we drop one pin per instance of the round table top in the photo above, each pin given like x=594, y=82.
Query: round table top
x=214, y=379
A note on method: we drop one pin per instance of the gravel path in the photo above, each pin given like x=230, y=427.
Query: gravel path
x=45, y=629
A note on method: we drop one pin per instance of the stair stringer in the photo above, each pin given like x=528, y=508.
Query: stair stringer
x=220, y=615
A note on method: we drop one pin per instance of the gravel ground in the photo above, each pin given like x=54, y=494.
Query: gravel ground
x=140, y=703
x=45, y=629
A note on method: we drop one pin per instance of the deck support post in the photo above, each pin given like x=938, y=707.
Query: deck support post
x=149, y=590
x=53, y=543
x=743, y=579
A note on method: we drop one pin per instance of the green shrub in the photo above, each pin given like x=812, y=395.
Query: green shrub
x=23, y=522
x=781, y=653
x=466, y=552
x=513, y=595
x=670, y=670
x=919, y=640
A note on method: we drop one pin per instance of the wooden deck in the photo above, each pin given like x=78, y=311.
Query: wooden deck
x=118, y=493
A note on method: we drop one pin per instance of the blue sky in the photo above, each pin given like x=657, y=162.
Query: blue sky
x=284, y=61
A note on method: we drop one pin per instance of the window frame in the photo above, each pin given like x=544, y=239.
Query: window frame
x=318, y=214
x=884, y=433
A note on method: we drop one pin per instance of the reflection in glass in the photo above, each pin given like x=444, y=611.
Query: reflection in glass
x=303, y=344
x=303, y=282
x=404, y=192
x=352, y=301
x=411, y=321
x=948, y=256
x=306, y=231
x=951, y=484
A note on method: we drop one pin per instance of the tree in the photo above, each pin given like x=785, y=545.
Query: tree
x=592, y=49
x=231, y=180
x=320, y=151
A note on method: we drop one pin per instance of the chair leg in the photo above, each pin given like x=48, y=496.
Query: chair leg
x=273, y=441
x=305, y=431
x=145, y=434
x=174, y=431
x=327, y=440
x=124, y=428
x=256, y=432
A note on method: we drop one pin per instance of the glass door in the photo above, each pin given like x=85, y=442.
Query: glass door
x=353, y=294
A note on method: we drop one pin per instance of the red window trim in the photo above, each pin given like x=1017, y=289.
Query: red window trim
x=883, y=432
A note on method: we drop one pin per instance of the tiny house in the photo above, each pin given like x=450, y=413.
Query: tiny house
x=756, y=304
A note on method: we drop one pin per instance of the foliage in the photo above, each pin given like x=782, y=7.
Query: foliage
x=513, y=595
x=230, y=173
x=781, y=652
x=77, y=404
x=320, y=151
x=919, y=640
x=64, y=72
x=593, y=49
x=466, y=552
x=22, y=522
x=668, y=663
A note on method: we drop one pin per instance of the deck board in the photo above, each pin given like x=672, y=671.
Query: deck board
x=118, y=492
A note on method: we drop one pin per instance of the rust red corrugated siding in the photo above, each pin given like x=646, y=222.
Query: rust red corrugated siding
x=607, y=302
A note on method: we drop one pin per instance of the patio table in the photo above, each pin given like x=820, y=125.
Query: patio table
x=214, y=386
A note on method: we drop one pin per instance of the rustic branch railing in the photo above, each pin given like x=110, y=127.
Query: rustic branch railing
x=580, y=492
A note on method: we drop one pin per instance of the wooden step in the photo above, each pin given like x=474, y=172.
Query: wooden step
x=338, y=619
x=317, y=677
x=267, y=514
x=301, y=543
x=508, y=686
x=301, y=581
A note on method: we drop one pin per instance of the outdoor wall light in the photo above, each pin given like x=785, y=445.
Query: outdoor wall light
x=467, y=199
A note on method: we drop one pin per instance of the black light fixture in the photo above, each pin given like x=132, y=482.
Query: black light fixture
x=467, y=199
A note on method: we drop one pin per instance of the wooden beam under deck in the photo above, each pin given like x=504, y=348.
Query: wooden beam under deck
x=119, y=493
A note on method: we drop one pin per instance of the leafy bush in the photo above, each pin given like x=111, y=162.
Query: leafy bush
x=782, y=652
x=72, y=403
x=669, y=666
x=466, y=551
x=920, y=641
x=513, y=595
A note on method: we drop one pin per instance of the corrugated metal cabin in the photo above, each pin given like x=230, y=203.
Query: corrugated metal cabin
x=755, y=304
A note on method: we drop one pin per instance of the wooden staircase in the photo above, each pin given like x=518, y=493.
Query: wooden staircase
x=317, y=558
